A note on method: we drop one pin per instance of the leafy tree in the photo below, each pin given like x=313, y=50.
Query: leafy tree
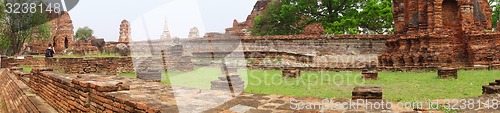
x=83, y=33
x=376, y=17
x=18, y=28
x=337, y=16
x=495, y=6
x=279, y=19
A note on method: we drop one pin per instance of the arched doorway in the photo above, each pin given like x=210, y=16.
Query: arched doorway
x=66, y=42
x=54, y=42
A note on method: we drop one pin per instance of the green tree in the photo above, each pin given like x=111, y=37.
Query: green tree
x=376, y=17
x=18, y=28
x=337, y=16
x=278, y=19
x=83, y=33
x=495, y=6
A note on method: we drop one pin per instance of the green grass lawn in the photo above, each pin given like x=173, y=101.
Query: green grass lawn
x=397, y=86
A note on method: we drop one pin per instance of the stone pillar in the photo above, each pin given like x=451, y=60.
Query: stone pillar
x=370, y=75
x=291, y=73
x=230, y=80
x=445, y=73
x=367, y=92
x=149, y=69
x=13, y=65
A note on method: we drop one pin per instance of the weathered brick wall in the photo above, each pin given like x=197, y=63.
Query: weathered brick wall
x=485, y=48
x=30, y=61
x=101, y=93
x=107, y=66
x=5, y=62
x=14, y=94
x=440, y=33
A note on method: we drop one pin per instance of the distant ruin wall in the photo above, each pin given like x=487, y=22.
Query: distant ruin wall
x=104, y=65
x=107, y=66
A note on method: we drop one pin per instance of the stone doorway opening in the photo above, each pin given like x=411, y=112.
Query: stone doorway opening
x=66, y=43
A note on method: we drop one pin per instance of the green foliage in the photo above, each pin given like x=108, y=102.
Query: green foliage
x=337, y=16
x=278, y=19
x=376, y=17
x=18, y=28
x=495, y=6
x=83, y=33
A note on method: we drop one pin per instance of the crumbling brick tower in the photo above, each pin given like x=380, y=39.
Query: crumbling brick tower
x=62, y=31
x=438, y=33
x=124, y=31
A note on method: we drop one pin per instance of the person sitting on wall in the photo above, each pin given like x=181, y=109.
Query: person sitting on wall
x=49, y=52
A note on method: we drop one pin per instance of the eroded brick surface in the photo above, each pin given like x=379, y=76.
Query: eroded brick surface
x=437, y=33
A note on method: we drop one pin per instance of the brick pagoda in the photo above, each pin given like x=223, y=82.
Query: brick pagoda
x=441, y=33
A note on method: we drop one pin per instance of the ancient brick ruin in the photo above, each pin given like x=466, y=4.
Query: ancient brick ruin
x=242, y=29
x=125, y=31
x=370, y=75
x=492, y=88
x=229, y=81
x=367, y=92
x=441, y=33
x=62, y=31
x=448, y=73
x=290, y=73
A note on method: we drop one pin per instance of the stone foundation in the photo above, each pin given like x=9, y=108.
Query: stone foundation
x=492, y=88
x=290, y=73
x=367, y=92
x=445, y=73
x=178, y=60
x=230, y=81
x=101, y=93
x=370, y=75
x=13, y=64
x=235, y=84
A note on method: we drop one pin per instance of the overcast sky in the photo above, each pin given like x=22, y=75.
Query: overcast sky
x=147, y=17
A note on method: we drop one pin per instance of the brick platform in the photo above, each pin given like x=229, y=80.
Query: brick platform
x=370, y=75
x=101, y=93
x=291, y=73
x=445, y=73
x=367, y=92
x=492, y=88
x=13, y=64
x=237, y=84
x=149, y=69
x=16, y=69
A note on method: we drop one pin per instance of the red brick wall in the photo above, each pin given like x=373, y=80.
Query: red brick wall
x=13, y=94
x=100, y=93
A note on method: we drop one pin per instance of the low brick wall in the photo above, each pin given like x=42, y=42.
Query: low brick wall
x=14, y=94
x=107, y=66
x=101, y=93
x=5, y=62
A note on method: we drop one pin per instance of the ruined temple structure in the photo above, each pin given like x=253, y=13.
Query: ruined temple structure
x=441, y=33
x=166, y=32
x=124, y=31
x=62, y=31
x=241, y=29
x=194, y=33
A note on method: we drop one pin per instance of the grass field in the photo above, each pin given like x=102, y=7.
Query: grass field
x=397, y=86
